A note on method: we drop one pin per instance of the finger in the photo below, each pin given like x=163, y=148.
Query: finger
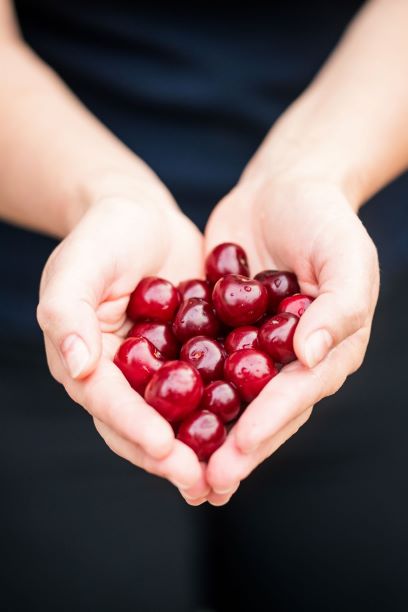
x=196, y=501
x=180, y=467
x=348, y=291
x=67, y=316
x=107, y=396
x=229, y=465
x=296, y=388
x=199, y=491
x=217, y=499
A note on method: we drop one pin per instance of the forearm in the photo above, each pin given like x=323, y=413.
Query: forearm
x=55, y=157
x=351, y=125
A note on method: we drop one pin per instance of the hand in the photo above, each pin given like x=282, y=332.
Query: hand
x=306, y=226
x=82, y=311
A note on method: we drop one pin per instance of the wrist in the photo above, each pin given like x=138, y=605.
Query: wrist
x=112, y=188
x=302, y=146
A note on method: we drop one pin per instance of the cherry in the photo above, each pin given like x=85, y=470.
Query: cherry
x=295, y=304
x=226, y=258
x=195, y=288
x=204, y=432
x=159, y=334
x=249, y=370
x=222, y=399
x=175, y=390
x=279, y=286
x=206, y=355
x=195, y=317
x=242, y=338
x=276, y=337
x=155, y=299
x=238, y=300
x=139, y=360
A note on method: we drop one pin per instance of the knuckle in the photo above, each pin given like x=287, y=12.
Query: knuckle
x=49, y=312
x=358, y=316
x=333, y=386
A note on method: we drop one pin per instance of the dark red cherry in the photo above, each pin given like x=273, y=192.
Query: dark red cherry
x=295, y=304
x=155, y=299
x=242, y=338
x=139, y=360
x=238, y=300
x=222, y=399
x=206, y=355
x=249, y=370
x=276, y=337
x=204, y=432
x=159, y=334
x=279, y=285
x=195, y=288
x=195, y=317
x=226, y=258
x=175, y=390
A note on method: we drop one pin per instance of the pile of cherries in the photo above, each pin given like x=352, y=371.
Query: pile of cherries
x=201, y=352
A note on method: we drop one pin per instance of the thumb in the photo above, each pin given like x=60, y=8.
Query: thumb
x=348, y=291
x=66, y=314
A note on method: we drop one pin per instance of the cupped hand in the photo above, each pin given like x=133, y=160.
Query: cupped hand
x=84, y=293
x=308, y=227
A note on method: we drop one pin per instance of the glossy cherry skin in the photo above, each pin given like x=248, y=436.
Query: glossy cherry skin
x=206, y=355
x=159, y=334
x=279, y=285
x=204, y=432
x=195, y=288
x=139, y=360
x=276, y=337
x=222, y=399
x=242, y=338
x=295, y=304
x=195, y=317
x=249, y=370
x=175, y=390
x=154, y=299
x=238, y=300
x=226, y=258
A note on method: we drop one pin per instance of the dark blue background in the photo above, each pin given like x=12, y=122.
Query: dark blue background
x=193, y=92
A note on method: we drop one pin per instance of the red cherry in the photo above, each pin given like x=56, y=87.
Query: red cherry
x=195, y=288
x=242, y=338
x=204, y=432
x=175, y=390
x=279, y=285
x=222, y=399
x=295, y=304
x=226, y=258
x=249, y=370
x=238, y=300
x=155, y=299
x=195, y=317
x=276, y=337
x=139, y=360
x=206, y=355
x=159, y=334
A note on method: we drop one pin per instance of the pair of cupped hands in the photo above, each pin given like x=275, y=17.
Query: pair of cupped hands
x=288, y=221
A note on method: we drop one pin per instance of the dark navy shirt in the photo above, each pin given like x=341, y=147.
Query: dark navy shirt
x=192, y=91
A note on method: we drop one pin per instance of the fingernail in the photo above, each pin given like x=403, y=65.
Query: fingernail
x=75, y=355
x=317, y=346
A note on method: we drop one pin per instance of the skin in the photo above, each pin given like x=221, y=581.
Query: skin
x=339, y=143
